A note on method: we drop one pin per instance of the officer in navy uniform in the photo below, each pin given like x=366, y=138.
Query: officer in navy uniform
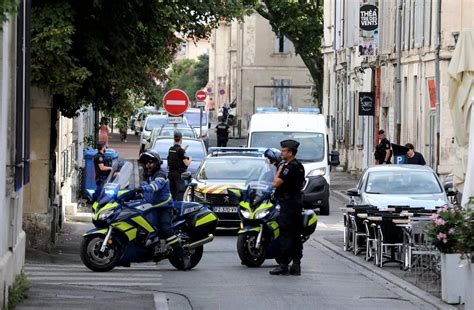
x=102, y=169
x=178, y=162
x=156, y=191
x=289, y=181
x=222, y=130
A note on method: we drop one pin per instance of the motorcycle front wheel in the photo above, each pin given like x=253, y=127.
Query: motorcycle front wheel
x=96, y=260
x=195, y=256
x=248, y=253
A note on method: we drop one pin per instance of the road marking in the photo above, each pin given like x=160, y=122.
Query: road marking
x=145, y=275
x=332, y=227
x=175, y=102
x=161, y=302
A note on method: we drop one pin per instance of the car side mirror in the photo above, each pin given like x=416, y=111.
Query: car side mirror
x=450, y=192
x=353, y=192
x=334, y=158
x=186, y=176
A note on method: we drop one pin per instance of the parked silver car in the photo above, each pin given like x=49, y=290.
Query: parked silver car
x=399, y=185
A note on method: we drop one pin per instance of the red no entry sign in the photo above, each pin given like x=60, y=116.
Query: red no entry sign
x=201, y=95
x=175, y=102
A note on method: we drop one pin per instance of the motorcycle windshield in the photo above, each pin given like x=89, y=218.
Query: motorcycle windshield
x=120, y=175
x=261, y=189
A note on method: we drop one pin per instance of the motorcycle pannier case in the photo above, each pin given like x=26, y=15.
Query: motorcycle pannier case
x=310, y=220
x=203, y=223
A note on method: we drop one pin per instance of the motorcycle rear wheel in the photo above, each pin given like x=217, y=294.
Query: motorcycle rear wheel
x=195, y=258
x=249, y=255
x=94, y=259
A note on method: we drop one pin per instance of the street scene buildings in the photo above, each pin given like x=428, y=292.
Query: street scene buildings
x=387, y=65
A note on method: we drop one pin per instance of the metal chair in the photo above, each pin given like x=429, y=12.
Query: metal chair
x=358, y=232
x=390, y=237
x=371, y=242
x=348, y=231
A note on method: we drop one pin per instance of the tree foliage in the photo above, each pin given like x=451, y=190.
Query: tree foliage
x=302, y=23
x=7, y=8
x=189, y=75
x=99, y=51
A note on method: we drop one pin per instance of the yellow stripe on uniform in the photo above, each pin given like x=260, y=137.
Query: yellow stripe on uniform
x=207, y=219
x=163, y=202
x=143, y=223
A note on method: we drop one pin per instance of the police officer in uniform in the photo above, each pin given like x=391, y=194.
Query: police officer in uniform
x=102, y=169
x=222, y=130
x=156, y=191
x=289, y=181
x=178, y=162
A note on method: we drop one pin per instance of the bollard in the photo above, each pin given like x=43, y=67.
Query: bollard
x=239, y=128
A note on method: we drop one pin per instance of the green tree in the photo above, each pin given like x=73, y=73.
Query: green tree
x=7, y=8
x=302, y=23
x=99, y=51
x=201, y=70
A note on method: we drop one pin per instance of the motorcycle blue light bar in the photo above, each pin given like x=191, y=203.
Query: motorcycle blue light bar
x=309, y=110
x=267, y=109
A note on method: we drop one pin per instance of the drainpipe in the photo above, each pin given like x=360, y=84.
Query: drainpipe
x=335, y=96
x=437, y=78
x=398, y=72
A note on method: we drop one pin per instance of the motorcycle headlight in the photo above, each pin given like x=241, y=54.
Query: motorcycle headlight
x=317, y=172
x=245, y=213
x=262, y=213
x=106, y=214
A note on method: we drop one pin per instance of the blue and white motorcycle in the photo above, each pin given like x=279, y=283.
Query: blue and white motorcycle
x=124, y=222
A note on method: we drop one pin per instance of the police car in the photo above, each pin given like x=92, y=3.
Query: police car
x=225, y=168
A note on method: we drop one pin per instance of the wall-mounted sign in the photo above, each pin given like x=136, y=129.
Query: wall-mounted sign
x=368, y=30
x=366, y=104
x=432, y=93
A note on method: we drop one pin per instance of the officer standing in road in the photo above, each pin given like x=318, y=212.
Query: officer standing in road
x=102, y=168
x=289, y=181
x=222, y=130
x=178, y=162
x=157, y=192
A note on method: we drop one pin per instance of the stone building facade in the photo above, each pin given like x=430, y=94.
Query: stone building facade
x=246, y=61
x=417, y=119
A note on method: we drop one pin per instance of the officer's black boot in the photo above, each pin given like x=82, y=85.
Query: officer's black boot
x=295, y=269
x=280, y=269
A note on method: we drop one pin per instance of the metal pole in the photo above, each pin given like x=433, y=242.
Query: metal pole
x=200, y=121
x=398, y=73
x=437, y=78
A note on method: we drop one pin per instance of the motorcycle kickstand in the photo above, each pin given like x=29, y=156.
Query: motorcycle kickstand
x=259, y=237
x=106, y=239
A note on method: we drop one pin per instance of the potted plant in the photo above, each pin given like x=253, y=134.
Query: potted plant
x=444, y=234
x=466, y=248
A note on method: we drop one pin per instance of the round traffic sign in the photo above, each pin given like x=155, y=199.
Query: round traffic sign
x=175, y=102
x=201, y=95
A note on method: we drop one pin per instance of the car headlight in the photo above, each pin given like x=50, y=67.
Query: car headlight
x=317, y=172
x=262, y=213
x=245, y=213
x=106, y=214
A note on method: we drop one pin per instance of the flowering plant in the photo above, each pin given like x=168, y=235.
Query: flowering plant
x=443, y=230
x=466, y=231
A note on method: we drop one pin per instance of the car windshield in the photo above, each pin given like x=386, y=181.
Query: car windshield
x=311, y=144
x=196, y=148
x=232, y=168
x=193, y=118
x=155, y=122
x=402, y=182
x=169, y=132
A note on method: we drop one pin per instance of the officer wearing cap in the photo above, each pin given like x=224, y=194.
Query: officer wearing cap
x=102, y=169
x=178, y=162
x=289, y=181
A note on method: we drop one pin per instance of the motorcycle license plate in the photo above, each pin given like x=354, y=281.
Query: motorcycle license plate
x=225, y=209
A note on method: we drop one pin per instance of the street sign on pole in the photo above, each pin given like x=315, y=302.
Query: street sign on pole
x=201, y=95
x=175, y=102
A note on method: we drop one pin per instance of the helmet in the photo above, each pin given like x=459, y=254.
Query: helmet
x=273, y=155
x=150, y=156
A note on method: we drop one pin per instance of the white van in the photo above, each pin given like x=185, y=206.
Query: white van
x=268, y=127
